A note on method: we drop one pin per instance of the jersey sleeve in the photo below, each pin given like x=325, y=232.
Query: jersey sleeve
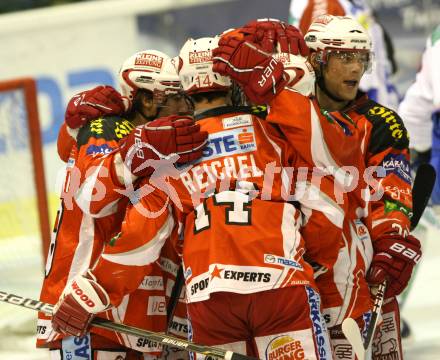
x=423, y=98
x=127, y=258
x=65, y=142
x=98, y=188
x=388, y=149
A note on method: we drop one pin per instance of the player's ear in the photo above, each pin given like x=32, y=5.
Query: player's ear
x=313, y=59
x=146, y=100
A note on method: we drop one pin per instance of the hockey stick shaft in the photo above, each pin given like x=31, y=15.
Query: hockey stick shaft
x=150, y=335
x=422, y=189
x=378, y=301
x=175, y=296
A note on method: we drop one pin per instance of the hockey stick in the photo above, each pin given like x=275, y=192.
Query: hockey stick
x=150, y=335
x=351, y=329
x=422, y=189
x=175, y=296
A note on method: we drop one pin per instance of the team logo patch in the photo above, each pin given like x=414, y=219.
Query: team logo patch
x=226, y=143
x=361, y=230
x=98, y=149
x=152, y=283
x=145, y=59
x=319, y=327
x=123, y=128
x=398, y=165
x=197, y=57
x=70, y=163
x=77, y=348
x=278, y=260
x=395, y=125
x=179, y=327
x=156, y=305
x=237, y=121
x=285, y=347
x=96, y=126
x=397, y=206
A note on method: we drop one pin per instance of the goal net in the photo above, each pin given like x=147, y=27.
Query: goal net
x=24, y=223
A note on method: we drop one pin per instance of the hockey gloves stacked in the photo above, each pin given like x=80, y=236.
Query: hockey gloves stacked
x=160, y=138
x=80, y=301
x=274, y=35
x=245, y=55
x=92, y=104
x=394, y=259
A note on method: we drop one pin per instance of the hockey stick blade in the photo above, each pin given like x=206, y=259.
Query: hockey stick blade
x=150, y=335
x=351, y=331
x=422, y=189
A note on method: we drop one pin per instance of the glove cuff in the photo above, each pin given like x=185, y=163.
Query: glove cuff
x=89, y=294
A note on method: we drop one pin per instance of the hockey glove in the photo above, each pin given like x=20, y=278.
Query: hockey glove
x=268, y=33
x=259, y=74
x=80, y=301
x=92, y=104
x=394, y=259
x=160, y=138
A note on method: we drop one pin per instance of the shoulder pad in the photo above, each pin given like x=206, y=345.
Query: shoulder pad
x=388, y=128
x=259, y=110
x=107, y=128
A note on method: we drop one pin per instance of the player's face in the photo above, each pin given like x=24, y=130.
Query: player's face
x=175, y=105
x=343, y=72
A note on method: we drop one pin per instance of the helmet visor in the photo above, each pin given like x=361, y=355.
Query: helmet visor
x=348, y=56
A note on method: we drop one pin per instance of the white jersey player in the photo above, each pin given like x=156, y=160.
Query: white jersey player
x=420, y=110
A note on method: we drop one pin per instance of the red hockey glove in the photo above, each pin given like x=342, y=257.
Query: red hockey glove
x=160, y=138
x=394, y=259
x=92, y=104
x=268, y=33
x=259, y=74
x=80, y=302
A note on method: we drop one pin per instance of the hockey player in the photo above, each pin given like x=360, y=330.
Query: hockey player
x=151, y=87
x=340, y=55
x=376, y=83
x=236, y=258
x=420, y=111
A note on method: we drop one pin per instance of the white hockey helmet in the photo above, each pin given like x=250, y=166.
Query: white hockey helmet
x=337, y=32
x=195, y=67
x=150, y=70
x=342, y=35
x=300, y=72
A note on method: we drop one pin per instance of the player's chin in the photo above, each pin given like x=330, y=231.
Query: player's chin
x=349, y=93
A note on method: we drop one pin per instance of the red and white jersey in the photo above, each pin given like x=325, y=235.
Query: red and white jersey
x=240, y=235
x=332, y=141
x=366, y=135
x=78, y=239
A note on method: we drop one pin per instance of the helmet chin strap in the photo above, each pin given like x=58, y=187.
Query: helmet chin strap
x=145, y=117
